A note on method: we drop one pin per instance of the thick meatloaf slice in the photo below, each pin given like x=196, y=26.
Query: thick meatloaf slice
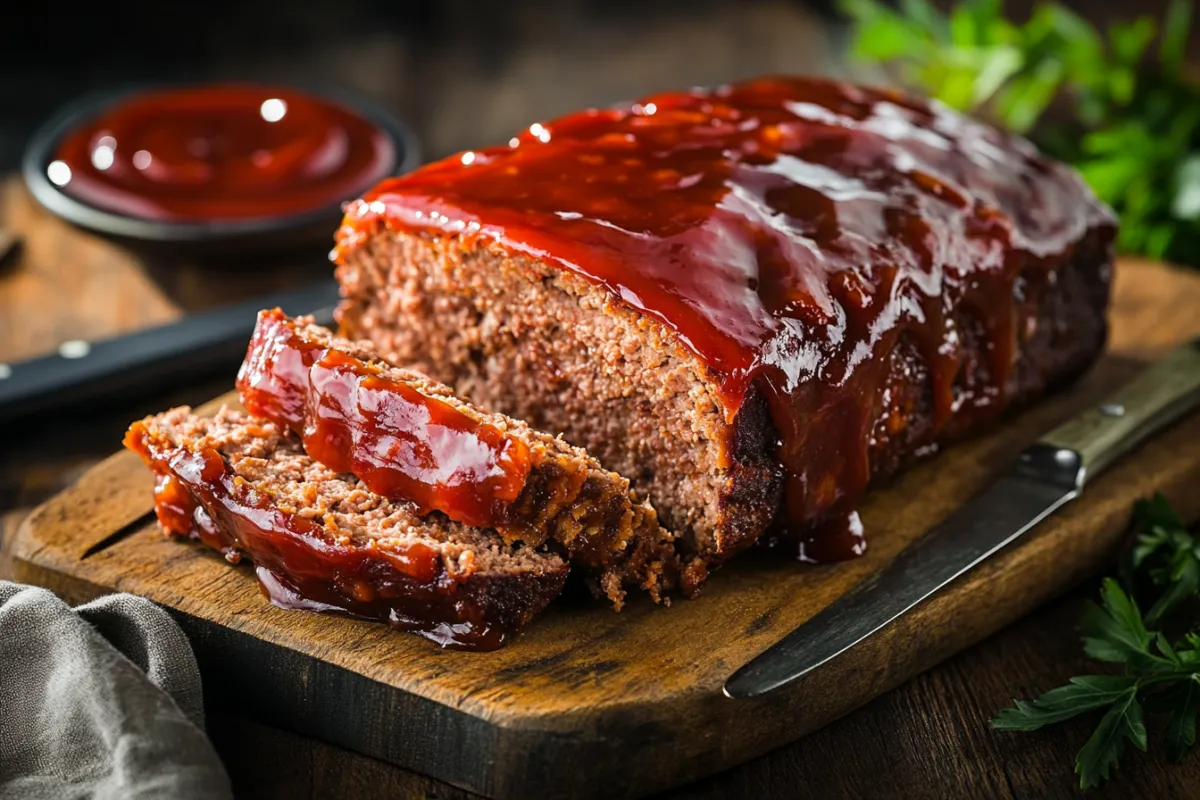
x=410, y=439
x=321, y=541
x=751, y=301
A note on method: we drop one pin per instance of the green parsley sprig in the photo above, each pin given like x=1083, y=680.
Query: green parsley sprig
x=1159, y=676
x=1129, y=123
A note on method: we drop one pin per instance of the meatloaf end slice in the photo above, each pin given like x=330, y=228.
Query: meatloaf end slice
x=321, y=541
x=409, y=438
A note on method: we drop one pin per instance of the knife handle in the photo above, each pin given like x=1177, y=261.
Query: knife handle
x=196, y=345
x=1136, y=411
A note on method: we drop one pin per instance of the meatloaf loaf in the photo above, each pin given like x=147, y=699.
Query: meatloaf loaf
x=322, y=542
x=410, y=439
x=751, y=301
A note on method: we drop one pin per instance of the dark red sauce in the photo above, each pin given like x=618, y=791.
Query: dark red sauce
x=300, y=566
x=836, y=537
x=790, y=231
x=221, y=153
x=399, y=442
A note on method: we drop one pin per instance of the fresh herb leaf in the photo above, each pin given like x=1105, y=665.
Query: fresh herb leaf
x=1114, y=631
x=1161, y=676
x=1082, y=694
x=1070, y=87
x=884, y=35
x=1184, y=705
x=1029, y=94
x=1167, y=555
x=1156, y=512
x=1102, y=752
x=925, y=14
x=1182, y=585
x=1192, y=654
x=1129, y=40
x=1167, y=649
x=996, y=66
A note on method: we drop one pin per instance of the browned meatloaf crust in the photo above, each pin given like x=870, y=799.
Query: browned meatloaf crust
x=494, y=272
x=410, y=439
x=322, y=542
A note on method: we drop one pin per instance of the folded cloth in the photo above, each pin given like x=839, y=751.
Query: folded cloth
x=99, y=701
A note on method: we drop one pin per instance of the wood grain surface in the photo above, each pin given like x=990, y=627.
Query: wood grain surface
x=926, y=738
x=591, y=701
x=87, y=286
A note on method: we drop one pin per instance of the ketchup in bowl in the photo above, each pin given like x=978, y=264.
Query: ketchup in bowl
x=203, y=154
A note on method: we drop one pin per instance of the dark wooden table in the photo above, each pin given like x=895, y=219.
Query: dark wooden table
x=928, y=738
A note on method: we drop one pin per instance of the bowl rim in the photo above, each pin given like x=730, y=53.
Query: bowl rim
x=40, y=148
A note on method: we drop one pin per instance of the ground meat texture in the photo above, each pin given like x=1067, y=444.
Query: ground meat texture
x=751, y=301
x=545, y=347
x=410, y=439
x=321, y=541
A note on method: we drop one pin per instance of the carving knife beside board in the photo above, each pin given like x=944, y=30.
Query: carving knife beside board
x=1047, y=475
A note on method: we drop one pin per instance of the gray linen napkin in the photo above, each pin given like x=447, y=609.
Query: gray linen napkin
x=100, y=701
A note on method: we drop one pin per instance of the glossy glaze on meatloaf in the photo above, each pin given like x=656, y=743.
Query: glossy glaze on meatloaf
x=751, y=301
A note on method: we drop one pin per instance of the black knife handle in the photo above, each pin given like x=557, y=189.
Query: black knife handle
x=195, y=346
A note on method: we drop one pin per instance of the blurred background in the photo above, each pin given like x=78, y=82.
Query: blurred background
x=462, y=72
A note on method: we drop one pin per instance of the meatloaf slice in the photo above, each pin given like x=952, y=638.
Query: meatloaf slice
x=751, y=300
x=410, y=439
x=321, y=541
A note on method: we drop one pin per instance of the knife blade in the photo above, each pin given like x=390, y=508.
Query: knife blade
x=1047, y=475
x=198, y=344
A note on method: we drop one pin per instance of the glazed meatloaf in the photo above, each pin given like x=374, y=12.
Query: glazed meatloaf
x=410, y=439
x=751, y=301
x=322, y=542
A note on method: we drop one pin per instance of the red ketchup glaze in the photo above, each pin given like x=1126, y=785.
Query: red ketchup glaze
x=400, y=443
x=298, y=564
x=221, y=153
x=790, y=231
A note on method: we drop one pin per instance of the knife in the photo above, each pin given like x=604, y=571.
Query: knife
x=1047, y=475
x=197, y=345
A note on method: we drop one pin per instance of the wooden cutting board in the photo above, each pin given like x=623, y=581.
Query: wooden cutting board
x=591, y=703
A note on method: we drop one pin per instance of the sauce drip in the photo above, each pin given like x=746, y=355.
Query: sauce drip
x=220, y=153
x=399, y=442
x=792, y=232
x=837, y=537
